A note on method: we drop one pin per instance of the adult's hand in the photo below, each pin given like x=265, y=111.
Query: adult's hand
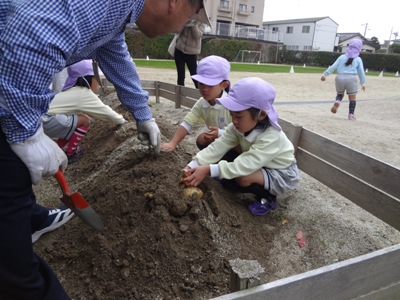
x=149, y=133
x=42, y=156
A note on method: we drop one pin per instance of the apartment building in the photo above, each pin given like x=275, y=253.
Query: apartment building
x=310, y=34
x=238, y=18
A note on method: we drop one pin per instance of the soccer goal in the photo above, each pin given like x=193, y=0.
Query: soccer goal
x=248, y=56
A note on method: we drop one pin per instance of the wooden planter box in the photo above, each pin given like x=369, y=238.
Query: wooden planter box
x=371, y=184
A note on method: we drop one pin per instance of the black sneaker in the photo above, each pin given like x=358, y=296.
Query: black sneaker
x=57, y=217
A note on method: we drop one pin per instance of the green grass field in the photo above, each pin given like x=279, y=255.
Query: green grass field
x=245, y=67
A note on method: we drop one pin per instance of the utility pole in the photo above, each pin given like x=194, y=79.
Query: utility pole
x=390, y=38
x=365, y=29
x=277, y=46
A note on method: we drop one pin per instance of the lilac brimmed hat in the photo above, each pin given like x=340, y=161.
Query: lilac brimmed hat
x=80, y=69
x=252, y=92
x=212, y=70
x=354, y=49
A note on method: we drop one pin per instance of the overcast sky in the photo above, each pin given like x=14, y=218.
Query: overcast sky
x=381, y=15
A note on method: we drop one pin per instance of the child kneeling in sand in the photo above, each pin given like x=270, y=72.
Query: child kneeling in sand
x=267, y=166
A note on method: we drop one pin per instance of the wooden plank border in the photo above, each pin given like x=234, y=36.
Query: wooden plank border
x=366, y=181
x=370, y=275
x=377, y=202
x=368, y=169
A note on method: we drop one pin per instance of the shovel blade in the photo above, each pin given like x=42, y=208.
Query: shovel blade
x=78, y=204
x=85, y=212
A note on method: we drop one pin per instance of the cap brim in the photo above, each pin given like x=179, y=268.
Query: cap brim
x=205, y=80
x=202, y=16
x=231, y=104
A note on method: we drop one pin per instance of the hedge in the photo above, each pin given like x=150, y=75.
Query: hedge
x=141, y=46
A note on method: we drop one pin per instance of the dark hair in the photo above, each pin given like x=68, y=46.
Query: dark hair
x=226, y=89
x=228, y=86
x=85, y=81
x=261, y=124
x=349, y=62
x=194, y=2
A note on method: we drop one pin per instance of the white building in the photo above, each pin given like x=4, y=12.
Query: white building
x=346, y=38
x=311, y=34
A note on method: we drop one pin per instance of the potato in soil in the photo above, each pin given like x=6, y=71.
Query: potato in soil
x=190, y=192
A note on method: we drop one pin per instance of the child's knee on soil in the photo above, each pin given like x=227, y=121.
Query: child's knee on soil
x=83, y=120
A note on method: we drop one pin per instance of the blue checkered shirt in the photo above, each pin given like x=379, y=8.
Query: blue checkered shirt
x=39, y=38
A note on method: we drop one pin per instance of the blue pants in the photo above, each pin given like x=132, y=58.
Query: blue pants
x=23, y=274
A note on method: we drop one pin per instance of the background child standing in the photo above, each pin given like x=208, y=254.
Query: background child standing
x=267, y=166
x=212, y=76
x=348, y=66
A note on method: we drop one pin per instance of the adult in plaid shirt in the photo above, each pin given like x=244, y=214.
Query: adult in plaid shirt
x=37, y=40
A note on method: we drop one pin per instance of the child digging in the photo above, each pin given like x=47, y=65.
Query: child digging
x=267, y=166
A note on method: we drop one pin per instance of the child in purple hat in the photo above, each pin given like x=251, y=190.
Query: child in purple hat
x=79, y=95
x=348, y=66
x=78, y=101
x=212, y=76
x=267, y=166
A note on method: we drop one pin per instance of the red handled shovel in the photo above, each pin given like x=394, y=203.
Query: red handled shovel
x=78, y=204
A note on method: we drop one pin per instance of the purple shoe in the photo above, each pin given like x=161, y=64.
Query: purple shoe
x=262, y=207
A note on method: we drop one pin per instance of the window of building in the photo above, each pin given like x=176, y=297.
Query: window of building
x=252, y=9
x=275, y=29
x=307, y=48
x=306, y=29
x=292, y=47
x=224, y=4
x=243, y=8
x=289, y=29
x=223, y=28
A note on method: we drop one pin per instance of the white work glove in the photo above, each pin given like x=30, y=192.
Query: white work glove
x=42, y=156
x=149, y=134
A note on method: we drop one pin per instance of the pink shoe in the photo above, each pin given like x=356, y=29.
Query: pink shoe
x=352, y=117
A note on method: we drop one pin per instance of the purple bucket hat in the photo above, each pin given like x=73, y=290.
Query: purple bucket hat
x=80, y=69
x=252, y=92
x=212, y=70
x=354, y=49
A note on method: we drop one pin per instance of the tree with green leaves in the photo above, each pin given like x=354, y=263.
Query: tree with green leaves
x=394, y=48
x=375, y=43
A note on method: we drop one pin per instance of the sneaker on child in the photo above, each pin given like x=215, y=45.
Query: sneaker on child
x=57, y=217
x=335, y=107
x=263, y=206
x=76, y=155
x=352, y=117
